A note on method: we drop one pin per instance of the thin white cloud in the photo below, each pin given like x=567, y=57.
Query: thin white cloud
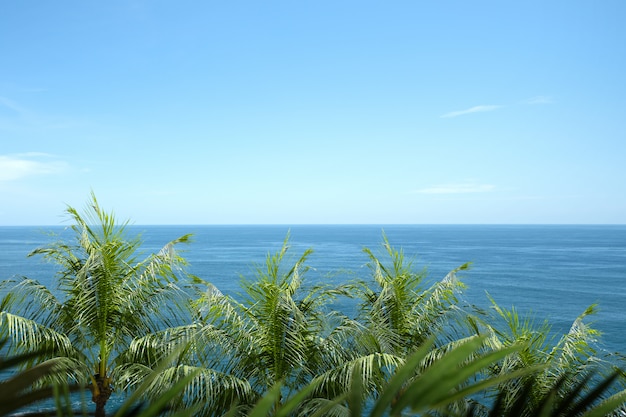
x=492, y=107
x=16, y=167
x=15, y=117
x=461, y=188
x=11, y=105
x=475, y=109
x=34, y=155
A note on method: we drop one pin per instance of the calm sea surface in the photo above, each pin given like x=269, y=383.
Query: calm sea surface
x=555, y=272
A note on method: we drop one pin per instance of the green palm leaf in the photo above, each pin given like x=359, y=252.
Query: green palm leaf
x=104, y=298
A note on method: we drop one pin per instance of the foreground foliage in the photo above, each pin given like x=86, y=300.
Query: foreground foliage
x=279, y=348
x=413, y=389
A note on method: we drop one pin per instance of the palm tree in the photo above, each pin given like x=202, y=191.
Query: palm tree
x=571, y=377
x=412, y=388
x=277, y=333
x=400, y=312
x=104, y=298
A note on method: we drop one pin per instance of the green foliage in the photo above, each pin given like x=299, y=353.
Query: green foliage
x=573, y=378
x=32, y=385
x=45, y=381
x=104, y=298
x=435, y=390
x=279, y=349
x=443, y=382
x=399, y=311
x=277, y=333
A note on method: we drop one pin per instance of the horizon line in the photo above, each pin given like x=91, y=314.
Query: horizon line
x=323, y=224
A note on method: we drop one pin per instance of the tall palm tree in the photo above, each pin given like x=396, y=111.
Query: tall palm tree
x=279, y=332
x=104, y=297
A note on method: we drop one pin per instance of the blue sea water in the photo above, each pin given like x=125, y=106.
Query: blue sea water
x=554, y=272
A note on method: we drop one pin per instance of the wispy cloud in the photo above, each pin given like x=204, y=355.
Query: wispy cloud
x=475, y=109
x=16, y=117
x=491, y=107
x=11, y=105
x=16, y=167
x=458, y=188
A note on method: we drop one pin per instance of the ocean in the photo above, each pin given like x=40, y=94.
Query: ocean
x=552, y=272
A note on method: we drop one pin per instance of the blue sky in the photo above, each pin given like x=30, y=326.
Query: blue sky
x=289, y=112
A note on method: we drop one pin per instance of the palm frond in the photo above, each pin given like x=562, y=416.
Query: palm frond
x=35, y=383
x=444, y=382
x=29, y=298
x=25, y=333
x=399, y=311
x=203, y=388
x=371, y=370
x=576, y=347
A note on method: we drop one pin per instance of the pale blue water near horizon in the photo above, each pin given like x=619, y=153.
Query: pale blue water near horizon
x=553, y=271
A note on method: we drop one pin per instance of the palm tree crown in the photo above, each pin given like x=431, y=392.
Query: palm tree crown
x=104, y=298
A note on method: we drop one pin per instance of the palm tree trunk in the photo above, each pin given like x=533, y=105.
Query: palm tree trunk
x=100, y=394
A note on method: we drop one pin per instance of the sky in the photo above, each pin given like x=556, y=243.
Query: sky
x=314, y=112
